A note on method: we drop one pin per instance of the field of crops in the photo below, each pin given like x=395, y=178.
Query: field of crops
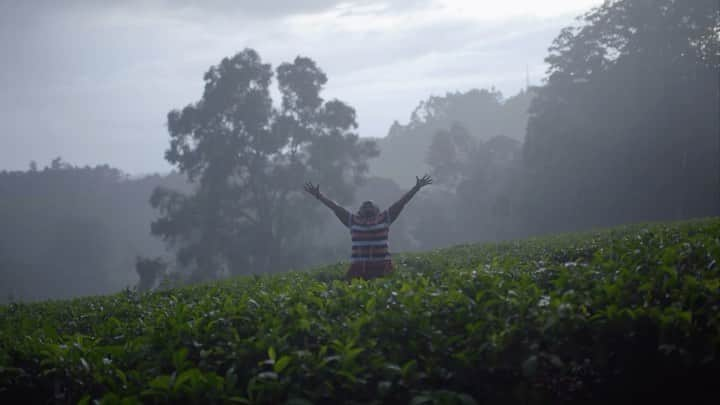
x=627, y=315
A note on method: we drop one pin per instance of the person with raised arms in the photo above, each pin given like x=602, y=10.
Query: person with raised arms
x=369, y=230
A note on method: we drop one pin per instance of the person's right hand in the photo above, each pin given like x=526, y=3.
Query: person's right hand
x=314, y=190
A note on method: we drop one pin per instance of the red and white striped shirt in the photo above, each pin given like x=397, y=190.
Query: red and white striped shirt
x=370, y=238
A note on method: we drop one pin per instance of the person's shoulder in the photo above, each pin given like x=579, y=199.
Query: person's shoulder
x=383, y=216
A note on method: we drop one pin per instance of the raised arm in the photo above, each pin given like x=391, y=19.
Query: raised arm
x=395, y=209
x=340, y=212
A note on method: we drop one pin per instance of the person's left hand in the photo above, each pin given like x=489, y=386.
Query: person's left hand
x=422, y=182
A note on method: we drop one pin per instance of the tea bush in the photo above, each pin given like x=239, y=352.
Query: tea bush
x=628, y=315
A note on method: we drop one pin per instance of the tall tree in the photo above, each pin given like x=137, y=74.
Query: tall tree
x=626, y=127
x=478, y=179
x=450, y=153
x=247, y=159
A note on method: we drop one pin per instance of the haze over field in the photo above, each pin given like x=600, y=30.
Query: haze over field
x=359, y=201
x=530, y=117
x=93, y=81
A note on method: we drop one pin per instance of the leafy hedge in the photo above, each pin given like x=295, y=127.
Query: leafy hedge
x=628, y=314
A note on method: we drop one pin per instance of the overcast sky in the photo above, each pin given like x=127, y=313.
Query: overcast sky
x=92, y=81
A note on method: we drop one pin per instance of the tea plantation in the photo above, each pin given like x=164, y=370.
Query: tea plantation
x=624, y=315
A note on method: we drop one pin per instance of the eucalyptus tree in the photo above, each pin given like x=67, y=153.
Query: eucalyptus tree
x=248, y=159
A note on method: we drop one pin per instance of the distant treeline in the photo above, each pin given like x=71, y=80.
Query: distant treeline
x=67, y=231
x=624, y=129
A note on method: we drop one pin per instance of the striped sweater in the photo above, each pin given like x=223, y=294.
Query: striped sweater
x=370, y=238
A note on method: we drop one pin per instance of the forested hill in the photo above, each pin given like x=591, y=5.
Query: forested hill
x=601, y=317
x=483, y=113
x=67, y=231
x=624, y=129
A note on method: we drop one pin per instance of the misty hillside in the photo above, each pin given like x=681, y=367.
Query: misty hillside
x=483, y=113
x=68, y=231
x=264, y=151
x=197, y=205
x=608, y=316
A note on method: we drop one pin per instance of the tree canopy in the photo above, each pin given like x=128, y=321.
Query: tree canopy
x=248, y=157
x=484, y=113
x=626, y=127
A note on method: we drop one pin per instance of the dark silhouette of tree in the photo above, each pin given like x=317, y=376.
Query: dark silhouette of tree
x=150, y=271
x=450, y=153
x=479, y=199
x=483, y=113
x=626, y=128
x=247, y=160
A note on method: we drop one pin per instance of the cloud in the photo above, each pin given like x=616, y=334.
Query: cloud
x=498, y=10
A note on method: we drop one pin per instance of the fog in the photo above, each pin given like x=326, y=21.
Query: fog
x=94, y=83
x=184, y=131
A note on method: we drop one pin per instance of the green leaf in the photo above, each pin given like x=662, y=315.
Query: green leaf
x=282, y=363
x=231, y=378
x=555, y=360
x=119, y=373
x=370, y=305
x=161, y=382
x=192, y=375
x=529, y=366
x=179, y=357
x=466, y=399
x=421, y=399
x=409, y=368
x=268, y=375
x=298, y=401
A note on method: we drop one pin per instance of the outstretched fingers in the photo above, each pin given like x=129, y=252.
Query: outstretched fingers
x=312, y=189
x=424, y=181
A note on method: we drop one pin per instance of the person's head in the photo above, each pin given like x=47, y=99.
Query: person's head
x=368, y=209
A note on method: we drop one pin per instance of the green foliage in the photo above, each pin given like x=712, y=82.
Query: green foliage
x=591, y=317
